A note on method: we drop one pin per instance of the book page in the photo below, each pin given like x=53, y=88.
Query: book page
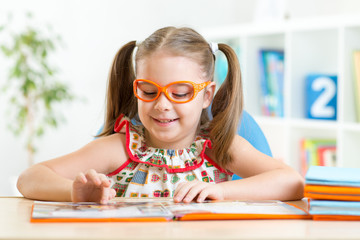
x=95, y=210
x=235, y=207
x=156, y=209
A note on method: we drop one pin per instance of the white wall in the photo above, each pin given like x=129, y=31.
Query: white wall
x=93, y=31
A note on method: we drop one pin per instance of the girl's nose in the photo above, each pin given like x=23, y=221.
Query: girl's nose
x=163, y=103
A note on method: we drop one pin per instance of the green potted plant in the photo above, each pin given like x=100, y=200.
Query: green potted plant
x=32, y=86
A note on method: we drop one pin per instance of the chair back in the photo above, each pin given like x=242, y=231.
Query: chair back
x=251, y=131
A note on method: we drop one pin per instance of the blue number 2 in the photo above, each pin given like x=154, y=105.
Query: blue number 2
x=320, y=107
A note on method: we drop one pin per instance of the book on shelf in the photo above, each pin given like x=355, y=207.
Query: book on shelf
x=317, y=152
x=333, y=192
x=271, y=63
x=160, y=210
x=356, y=67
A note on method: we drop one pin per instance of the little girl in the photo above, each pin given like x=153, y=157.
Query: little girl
x=158, y=139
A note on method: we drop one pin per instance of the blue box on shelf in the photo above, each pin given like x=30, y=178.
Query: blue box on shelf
x=321, y=96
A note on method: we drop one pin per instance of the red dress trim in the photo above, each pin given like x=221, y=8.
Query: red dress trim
x=119, y=125
x=120, y=168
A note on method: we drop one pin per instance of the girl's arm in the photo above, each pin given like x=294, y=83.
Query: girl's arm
x=264, y=178
x=54, y=179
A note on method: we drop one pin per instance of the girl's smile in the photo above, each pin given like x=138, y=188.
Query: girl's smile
x=164, y=122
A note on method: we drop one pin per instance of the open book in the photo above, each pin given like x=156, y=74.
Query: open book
x=160, y=210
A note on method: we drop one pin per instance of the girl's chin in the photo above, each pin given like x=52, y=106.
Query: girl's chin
x=169, y=141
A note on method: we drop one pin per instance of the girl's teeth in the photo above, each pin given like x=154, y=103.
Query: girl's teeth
x=165, y=121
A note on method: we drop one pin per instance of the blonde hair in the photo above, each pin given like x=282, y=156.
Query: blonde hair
x=227, y=104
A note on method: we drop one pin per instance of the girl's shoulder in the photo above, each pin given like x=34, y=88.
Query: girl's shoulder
x=110, y=150
x=110, y=141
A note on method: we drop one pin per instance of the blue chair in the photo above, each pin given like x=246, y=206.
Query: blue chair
x=251, y=131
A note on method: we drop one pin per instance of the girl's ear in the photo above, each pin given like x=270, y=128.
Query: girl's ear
x=209, y=94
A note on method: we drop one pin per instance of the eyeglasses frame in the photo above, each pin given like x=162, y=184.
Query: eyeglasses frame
x=197, y=88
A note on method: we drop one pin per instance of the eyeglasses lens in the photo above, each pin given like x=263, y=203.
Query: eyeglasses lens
x=146, y=91
x=179, y=92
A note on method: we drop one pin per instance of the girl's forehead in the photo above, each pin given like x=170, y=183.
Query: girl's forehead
x=165, y=67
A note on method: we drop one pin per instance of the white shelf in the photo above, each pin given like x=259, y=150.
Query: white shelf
x=314, y=124
x=313, y=45
x=352, y=127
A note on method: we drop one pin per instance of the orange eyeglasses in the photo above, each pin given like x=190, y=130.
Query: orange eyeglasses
x=178, y=92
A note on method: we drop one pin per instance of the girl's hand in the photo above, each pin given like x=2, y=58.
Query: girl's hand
x=189, y=191
x=92, y=187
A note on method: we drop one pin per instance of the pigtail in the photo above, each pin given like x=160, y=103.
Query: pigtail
x=226, y=108
x=120, y=98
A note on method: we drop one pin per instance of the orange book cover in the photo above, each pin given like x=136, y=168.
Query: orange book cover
x=335, y=218
x=332, y=192
x=332, y=189
x=118, y=211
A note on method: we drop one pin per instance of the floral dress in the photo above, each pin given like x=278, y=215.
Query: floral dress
x=154, y=172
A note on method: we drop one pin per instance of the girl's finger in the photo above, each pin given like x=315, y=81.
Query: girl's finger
x=113, y=193
x=81, y=178
x=177, y=189
x=193, y=192
x=203, y=195
x=183, y=190
x=104, y=196
x=105, y=182
x=107, y=195
x=180, y=192
x=93, y=176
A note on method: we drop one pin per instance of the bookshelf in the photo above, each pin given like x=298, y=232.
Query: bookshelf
x=313, y=45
